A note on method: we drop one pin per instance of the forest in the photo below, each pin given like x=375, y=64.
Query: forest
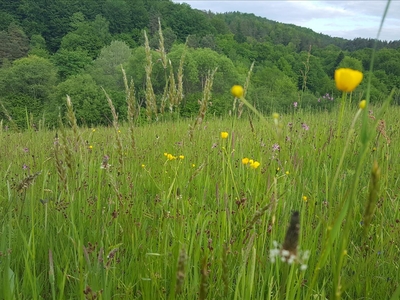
x=80, y=48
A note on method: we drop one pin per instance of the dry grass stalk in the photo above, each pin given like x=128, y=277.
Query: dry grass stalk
x=179, y=93
x=62, y=174
x=72, y=122
x=161, y=50
x=116, y=130
x=246, y=86
x=26, y=182
x=306, y=70
x=204, y=101
x=131, y=103
x=65, y=147
x=151, y=103
x=172, y=91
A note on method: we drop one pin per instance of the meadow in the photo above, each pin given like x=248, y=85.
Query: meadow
x=170, y=210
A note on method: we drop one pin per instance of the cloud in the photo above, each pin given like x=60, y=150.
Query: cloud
x=348, y=19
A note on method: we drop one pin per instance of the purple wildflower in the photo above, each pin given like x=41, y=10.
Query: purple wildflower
x=305, y=126
x=276, y=147
x=295, y=104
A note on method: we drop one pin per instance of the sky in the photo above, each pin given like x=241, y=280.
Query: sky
x=346, y=19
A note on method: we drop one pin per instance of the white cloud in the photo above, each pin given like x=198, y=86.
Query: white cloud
x=348, y=19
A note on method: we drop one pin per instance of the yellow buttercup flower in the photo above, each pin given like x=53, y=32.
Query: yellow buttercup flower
x=347, y=79
x=362, y=104
x=305, y=198
x=255, y=165
x=170, y=157
x=275, y=116
x=224, y=135
x=181, y=157
x=237, y=91
x=245, y=161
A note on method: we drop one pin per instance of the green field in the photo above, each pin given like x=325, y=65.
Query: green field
x=170, y=211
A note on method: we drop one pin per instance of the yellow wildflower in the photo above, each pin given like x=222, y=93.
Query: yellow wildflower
x=305, y=198
x=287, y=172
x=90, y=147
x=362, y=104
x=224, y=135
x=347, y=79
x=275, y=116
x=237, y=91
x=181, y=157
x=170, y=157
x=255, y=165
x=245, y=161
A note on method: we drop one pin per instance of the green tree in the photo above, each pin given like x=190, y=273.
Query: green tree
x=351, y=62
x=87, y=36
x=71, y=62
x=14, y=43
x=106, y=69
x=27, y=85
x=89, y=102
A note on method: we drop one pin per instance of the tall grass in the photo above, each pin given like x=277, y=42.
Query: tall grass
x=201, y=225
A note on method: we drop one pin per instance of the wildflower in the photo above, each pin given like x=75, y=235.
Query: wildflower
x=255, y=165
x=119, y=131
x=305, y=126
x=224, y=135
x=165, y=153
x=26, y=150
x=305, y=198
x=170, y=157
x=143, y=165
x=276, y=147
x=93, y=130
x=295, y=104
x=193, y=165
x=251, y=161
x=287, y=172
x=245, y=160
x=275, y=116
x=90, y=147
x=181, y=157
x=362, y=104
x=25, y=167
x=237, y=91
x=347, y=79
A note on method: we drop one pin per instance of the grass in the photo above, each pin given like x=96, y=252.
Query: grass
x=201, y=226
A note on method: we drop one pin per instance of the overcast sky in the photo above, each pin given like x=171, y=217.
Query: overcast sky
x=347, y=19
